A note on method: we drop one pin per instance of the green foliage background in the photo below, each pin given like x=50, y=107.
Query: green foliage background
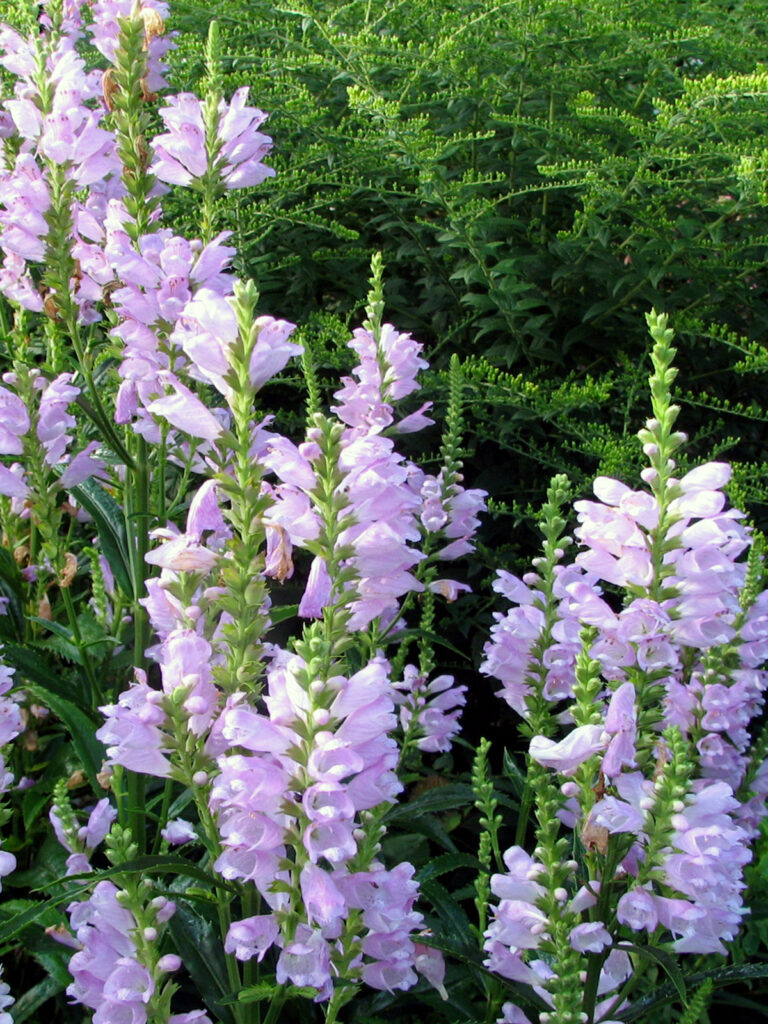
x=538, y=175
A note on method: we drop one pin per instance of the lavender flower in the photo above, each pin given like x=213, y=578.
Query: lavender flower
x=310, y=794
x=656, y=692
x=430, y=710
x=6, y=1000
x=182, y=156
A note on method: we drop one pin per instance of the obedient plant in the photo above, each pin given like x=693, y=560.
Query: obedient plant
x=242, y=776
x=286, y=755
x=636, y=667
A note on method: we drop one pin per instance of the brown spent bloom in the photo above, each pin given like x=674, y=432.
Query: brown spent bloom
x=595, y=837
x=109, y=88
x=285, y=562
x=153, y=24
x=76, y=779
x=69, y=571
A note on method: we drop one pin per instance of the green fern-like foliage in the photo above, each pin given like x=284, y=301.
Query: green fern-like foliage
x=537, y=176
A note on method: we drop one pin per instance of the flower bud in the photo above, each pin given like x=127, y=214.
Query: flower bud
x=166, y=912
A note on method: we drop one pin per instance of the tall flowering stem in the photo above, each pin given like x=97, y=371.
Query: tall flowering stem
x=126, y=93
x=647, y=650
x=239, y=479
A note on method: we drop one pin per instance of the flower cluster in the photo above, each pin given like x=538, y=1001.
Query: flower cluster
x=117, y=968
x=369, y=525
x=649, y=645
x=108, y=975
x=80, y=840
x=182, y=156
x=320, y=761
x=48, y=403
x=290, y=785
x=429, y=711
x=11, y=725
x=56, y=116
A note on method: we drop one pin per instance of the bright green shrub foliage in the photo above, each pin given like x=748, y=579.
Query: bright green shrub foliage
x=537, y=175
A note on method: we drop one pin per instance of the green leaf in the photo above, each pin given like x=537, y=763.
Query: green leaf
x=157, y=864
x=433, y=638
x=665, y=961
x=445, y=863
x=639, y=1011
x=160, y=864
x=82, y=729
x=36, y=668
x=31, y=1001
x=34, y=800
x=199, y=945
x=49, y=864
x=513, y=773
x=258, y=993
x=281, y=612
x=430, y=827
x=455, y=922
x=440, y=798
x=110, y=526
x=32, y=914
x=11, y=588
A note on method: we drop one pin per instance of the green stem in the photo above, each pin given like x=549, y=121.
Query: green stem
x=96, y=412
x=167, y=794
x=137, y=522
x=275, y=1007
x=213, y=845
x=525, y=813
x=139, y=527
x=93, y=683
x=333, y=1007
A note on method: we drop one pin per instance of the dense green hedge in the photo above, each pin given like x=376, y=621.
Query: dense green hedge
x=537, y=175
